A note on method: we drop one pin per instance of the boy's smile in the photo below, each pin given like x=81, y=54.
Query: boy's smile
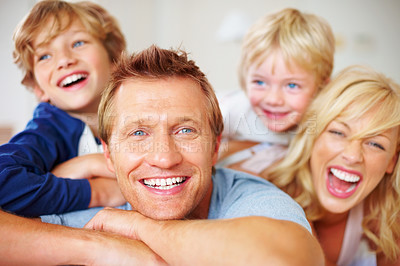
x=71, y=69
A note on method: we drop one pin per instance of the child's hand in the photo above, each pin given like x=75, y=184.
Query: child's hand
x=85, y=166
x=105, y=192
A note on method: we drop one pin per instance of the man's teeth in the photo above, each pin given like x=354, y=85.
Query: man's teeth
x=164, y=183
x=70, y=79
x=345, y=176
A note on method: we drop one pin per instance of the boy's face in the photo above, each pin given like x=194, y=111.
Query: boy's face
x=279, y=95
x=71, y=70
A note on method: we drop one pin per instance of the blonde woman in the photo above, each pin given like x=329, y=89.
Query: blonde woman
x=342, y=167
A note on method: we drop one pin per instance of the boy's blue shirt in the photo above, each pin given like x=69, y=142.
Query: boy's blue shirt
x=26, y=185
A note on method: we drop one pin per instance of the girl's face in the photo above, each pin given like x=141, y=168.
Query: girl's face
x=345, y=170
x=71, y=70
x=278, y=94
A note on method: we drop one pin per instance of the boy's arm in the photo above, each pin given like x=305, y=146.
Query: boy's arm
x=49, y=244
x=26, y=185
x=105, y=192
x=247, y=240
x=85, y=166
x=104, y=186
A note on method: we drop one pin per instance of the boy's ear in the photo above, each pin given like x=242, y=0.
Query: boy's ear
x=110, y=164
x=40, y=94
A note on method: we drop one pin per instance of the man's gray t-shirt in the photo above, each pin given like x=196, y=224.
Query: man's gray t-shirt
x=235, y=194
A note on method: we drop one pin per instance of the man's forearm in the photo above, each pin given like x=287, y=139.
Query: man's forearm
x=25, y=241
x=240, y=241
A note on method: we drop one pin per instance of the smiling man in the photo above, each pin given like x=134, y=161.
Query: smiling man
x=160, y=124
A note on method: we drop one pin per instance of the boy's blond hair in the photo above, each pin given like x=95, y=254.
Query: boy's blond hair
x=306, y=39
x=95, y=19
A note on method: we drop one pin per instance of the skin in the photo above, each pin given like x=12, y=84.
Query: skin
x=160, y=132
x=50, y=244
x=278, y=93
x=76, y=52
x=73, y=51
x=170, y=141
x=369, y=158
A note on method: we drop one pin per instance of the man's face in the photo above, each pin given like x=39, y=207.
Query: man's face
x=162, y=148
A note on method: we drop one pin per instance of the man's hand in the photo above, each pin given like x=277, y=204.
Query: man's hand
x=118, y=221
x=85, y=166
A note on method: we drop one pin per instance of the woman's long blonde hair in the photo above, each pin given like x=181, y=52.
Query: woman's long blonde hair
x=354, y=92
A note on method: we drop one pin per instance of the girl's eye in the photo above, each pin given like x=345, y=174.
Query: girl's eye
x=78, y=43
x=138, y=133
x=44, y=57
x=292, y=86
x=259, y=82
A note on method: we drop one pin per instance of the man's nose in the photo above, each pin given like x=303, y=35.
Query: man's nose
x=164, y=154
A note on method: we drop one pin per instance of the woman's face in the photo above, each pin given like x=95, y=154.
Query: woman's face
x=345, y=170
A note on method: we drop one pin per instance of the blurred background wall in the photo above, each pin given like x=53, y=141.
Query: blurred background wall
x=366, y=31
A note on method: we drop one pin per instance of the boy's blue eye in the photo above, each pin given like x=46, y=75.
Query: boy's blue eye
x=44, y=57
x=78, y=43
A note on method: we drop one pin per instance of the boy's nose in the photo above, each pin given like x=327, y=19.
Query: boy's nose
x=65, y=60
x=164, y=153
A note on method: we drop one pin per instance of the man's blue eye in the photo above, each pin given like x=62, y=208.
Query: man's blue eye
x=44, y=57
x=186, y=130
x=292, y=85
x=78, y=43
x=139, y=133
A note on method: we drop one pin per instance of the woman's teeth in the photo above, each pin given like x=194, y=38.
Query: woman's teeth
x=345, y=176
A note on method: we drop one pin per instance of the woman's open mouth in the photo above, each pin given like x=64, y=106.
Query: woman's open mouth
x=342, y=184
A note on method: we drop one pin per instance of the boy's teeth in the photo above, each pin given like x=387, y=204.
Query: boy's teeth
x=345, y=176
x=70, y=79
x=163, y=183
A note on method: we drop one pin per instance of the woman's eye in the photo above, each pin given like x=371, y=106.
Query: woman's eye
x=44, y=57
x=336, y=132
x=78, y=43
x=376, y=145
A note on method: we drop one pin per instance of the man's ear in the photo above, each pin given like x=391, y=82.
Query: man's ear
x=110, y=164
x=40, y=94
x=215, y=154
